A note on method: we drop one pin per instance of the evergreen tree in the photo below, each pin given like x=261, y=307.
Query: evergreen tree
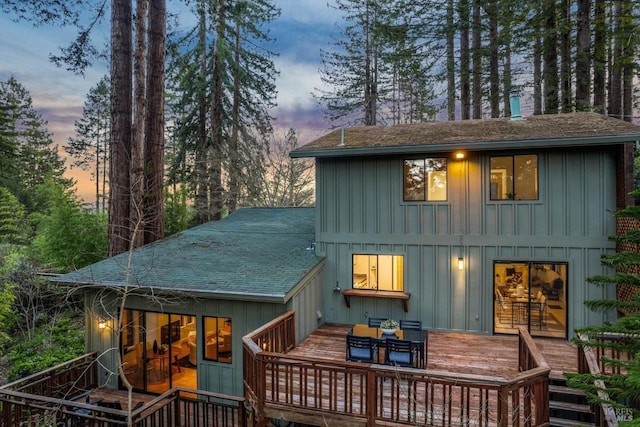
x=12, y=218
x=222, y=78
x=68, y=237
x=29, y=147
x=90, y=148
x=620, y=377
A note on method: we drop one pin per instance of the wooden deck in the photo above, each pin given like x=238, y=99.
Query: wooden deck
x=470, y=378
x=489, y=355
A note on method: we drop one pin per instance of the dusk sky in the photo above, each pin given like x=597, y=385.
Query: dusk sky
x=304, y=27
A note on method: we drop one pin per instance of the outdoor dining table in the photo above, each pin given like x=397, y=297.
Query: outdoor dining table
x=521, y=308
x=418, y=338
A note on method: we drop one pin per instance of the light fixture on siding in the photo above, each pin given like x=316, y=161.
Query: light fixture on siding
x=460, y=263
x=102, y=323
x=458, y=155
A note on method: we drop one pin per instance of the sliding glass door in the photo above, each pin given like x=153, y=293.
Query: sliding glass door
x=530, y=294
x=157, y=350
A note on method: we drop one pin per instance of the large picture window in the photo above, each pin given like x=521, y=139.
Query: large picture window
x=217, y=336
x=425, y=179
x=379, y=272
x=514, y=177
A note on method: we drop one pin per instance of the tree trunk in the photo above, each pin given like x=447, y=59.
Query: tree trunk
x=537, y=72
x=583, y=56
x=550, y=58
x=615, y=91
x=494, y=73
x=217, y=141
x=465, y=101
x=154, y=129
x=234, y=167
x=451, y=78
x=201, y=166
x=628, y=55
x=138, y=142
x=506, y=74
x=477, y=60
x=119, y=199
x=599, y=56
x=565, y=56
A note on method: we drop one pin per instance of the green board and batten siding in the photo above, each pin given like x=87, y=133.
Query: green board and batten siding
x=361, y=210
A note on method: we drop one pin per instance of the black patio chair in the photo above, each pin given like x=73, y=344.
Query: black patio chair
x=399, y=353
x=411, y=324
x=361, y=349
x=374, y=322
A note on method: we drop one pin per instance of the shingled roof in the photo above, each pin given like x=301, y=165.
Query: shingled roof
x=575, y=129
x=254, y=253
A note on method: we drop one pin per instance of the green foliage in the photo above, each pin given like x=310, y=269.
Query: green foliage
x=622, y=376
x=52, y=344
x=68, y=236
x=89, y=149
x=177, y=214
x=30, y=150
x=12, y=217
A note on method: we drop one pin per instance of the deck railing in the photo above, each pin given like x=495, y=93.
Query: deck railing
x=317, y=392
x=592, y=360
x=54, y=398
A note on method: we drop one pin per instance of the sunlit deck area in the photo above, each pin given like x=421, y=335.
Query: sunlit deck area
x=491, y=355
x=469, y=378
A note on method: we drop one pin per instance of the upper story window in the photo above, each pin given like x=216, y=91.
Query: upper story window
x=514, y=177
x=379, y=272
x=425, y=179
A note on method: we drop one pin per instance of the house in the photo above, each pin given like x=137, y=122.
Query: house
x=192, y=296
x=477, y=225
x=480, y=226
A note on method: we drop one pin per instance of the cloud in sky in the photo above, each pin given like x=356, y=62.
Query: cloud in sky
x=304, y=27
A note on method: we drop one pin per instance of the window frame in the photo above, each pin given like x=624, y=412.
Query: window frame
x=426, y=178
x=512, y=178
x=221, y=322
x=394, y=274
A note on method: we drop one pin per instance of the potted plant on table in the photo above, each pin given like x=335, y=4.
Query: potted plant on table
x=389, y=326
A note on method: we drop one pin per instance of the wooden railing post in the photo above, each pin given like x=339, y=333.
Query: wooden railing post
x=503, y=406
x=371, y=397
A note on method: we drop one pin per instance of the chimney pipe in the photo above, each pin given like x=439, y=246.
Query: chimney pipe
x=514, y=101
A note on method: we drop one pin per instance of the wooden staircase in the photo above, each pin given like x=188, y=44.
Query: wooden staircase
x=568, y=406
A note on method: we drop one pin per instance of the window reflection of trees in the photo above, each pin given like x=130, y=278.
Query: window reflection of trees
x=425, y=179
x=413, y=180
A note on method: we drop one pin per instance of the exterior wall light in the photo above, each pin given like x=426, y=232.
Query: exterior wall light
x=459, y=155
x=102, y=323
x=460, y=263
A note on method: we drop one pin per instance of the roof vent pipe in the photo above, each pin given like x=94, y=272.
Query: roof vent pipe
x=514, y=101
x=341, y=138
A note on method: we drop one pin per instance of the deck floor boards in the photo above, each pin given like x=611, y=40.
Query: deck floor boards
x=452, y=351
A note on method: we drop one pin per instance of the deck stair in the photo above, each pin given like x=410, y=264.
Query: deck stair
x=568, y=406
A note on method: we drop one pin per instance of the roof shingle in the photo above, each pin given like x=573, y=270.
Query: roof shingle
x=260, y=252
x=544, y=130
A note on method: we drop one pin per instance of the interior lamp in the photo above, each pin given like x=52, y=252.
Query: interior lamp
x=102, y=323
x=460, y=263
